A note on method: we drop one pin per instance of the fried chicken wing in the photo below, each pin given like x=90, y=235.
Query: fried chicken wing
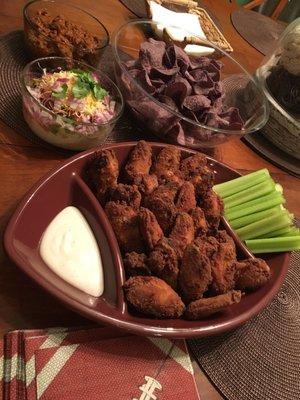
x=139, y=161
x=135, y=264
x=183, y=232
x=200, y=223
x=126, y=194
x=170, y=177
x=167, y=191
x=203, y=182
x=124, y=221
x=153, y=297
x=186, y=200
x=203, y=308
x=161, y=203
x=194, y=274
x=208, y=245
x=146, y=183
x=167, y=162
x=223, y=266
x=149, y=228
x=163, y=262
x=102, y=172
x=193, y=165
x=213, y=208
x=252, y=274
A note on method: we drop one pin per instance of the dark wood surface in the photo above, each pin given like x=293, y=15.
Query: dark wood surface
x=22, y=303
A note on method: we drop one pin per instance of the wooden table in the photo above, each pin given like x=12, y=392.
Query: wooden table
x=22, y=303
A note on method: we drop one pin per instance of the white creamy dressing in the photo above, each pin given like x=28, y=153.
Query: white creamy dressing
x=69, y=248
x=189, y=24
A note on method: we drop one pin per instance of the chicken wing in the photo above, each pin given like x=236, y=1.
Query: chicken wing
x=167, y=161
x=193, y=165
x=139, y=161
x=135, y=264
x=149, y=228
x=252, y=274
x=203, y=182
x=186, y=200
x=146, y=183
x=200, y=223
x=213, y=208
x=163, y=262
x=102, y=172
x=126, y=194
x=124, y=221
x=194, y=274
x=203, y=308
x=223, y=266
x=153, y=297
x=161, y=203
x=183, y=232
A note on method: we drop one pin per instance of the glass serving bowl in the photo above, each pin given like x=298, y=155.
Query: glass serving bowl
x=57, y=129
x=168, y=121
x=279, y=76
x=63, y=41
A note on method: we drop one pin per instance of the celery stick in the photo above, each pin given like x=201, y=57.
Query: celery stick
x=288, y=231
x=279, y=220
x=253, y=206
x=293, y=232
x=248, y=219
x=251, y=193
x=279, y=188
x=243, y=182
x=274, y=245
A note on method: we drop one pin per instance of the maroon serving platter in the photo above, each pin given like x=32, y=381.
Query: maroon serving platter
x=64, y=186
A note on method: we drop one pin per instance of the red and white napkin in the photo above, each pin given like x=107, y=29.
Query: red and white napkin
x=93, y=363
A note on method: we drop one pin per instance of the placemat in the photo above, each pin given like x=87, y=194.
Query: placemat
x=261, y=359
x=13, y=58
x=93, y=363
x=259, y=31
x=260, y=144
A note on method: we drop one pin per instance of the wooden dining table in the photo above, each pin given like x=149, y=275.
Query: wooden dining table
x=23, y=304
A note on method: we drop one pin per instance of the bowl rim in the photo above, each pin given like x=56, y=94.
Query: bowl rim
x=239, y=132
x=91, y=313
x=37, y=60
x=28, y=20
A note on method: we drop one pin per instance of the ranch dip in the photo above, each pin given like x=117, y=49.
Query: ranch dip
x=69, y=248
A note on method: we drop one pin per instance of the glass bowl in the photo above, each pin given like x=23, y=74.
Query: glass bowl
x=279, y=76
x=82, y=37
x=55, y=128
x=143, y=97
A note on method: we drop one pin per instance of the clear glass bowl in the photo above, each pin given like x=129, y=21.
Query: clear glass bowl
x=241, y=90
x=40, y=44
x=56, y=129
x=279, y=76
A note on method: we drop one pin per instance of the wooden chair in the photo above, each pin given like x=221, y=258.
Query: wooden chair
x=280, y=6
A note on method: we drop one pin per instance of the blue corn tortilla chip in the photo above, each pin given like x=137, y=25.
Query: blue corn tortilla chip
x=190, y=86
x=145, y=81
x=168, y=101
x=153, y=115
x=151, y=54
x=231, y=119
x=196, y=102
x=178, y=89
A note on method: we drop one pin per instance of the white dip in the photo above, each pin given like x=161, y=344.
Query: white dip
x=69, y=248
